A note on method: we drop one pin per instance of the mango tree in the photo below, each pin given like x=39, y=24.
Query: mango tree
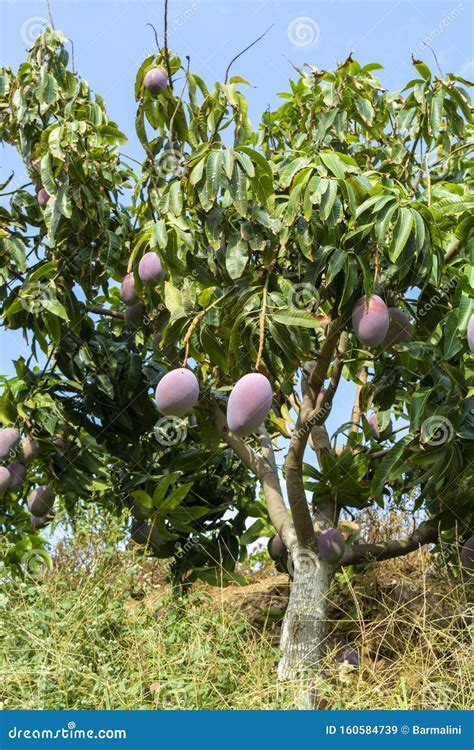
x=332, y=243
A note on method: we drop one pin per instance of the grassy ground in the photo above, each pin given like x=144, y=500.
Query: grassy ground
x=102, y=632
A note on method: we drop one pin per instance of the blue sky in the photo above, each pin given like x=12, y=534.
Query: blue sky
x=111, y=40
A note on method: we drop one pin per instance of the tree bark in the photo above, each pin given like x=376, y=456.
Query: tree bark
x=304, y=627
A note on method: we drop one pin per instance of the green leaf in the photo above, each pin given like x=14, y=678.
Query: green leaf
x=253, y=532
x=197, y=171
x=161, y=488
x=401, y=233
x=387, y=465
x=336, y=263
x=384, y=218
x=294, y=317
x=291, y=169
x=246, y=163
x=237, y=255
x=365, y=110
x=327, y=201
x=422, y=69
x=176, y=198
x=338, y=164
x=238, y=190
x=419, y=225
x=214, y=165
x=159, y=235
x=47, y=179
x=175, y=498
x=55, y=307
x=17, y=251
x=229, y=161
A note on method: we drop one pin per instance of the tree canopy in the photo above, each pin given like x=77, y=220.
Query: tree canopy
x=268, y=237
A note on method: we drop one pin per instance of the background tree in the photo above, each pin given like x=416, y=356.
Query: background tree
x=333, y=242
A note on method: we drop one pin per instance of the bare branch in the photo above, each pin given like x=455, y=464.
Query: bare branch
x=50, y=15
x=314, y=375
x=244, y=50
x=104, y=311
x=365, y=553
x=356, y=411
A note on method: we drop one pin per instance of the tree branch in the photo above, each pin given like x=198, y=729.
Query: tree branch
x=312, y=382
x=356, y=411
x=365, y=553
x=265, y=469
x=97, y=310
x=244, y=50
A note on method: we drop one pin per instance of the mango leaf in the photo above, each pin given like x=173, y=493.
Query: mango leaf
x=295, y=317
x=387, y=465
x=237, y=255
x=401, y=233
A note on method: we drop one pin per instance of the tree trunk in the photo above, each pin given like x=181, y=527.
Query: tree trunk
x=304, y=626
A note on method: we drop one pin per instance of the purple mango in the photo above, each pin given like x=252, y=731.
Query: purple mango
x=39, y=521
x=29, y=449
x=41, y=501
x=350, y=656
x=399, y=328
x=17, y=475
x=150, y=270
x=177, y=392
x=467, y=554
x=331, y=546
x=370, y=321
x=43, y=197
x=134, y=314
x=155, y=81
x=127, y=290
x=9, y=439
x=249, y=404
x=276, y=547
x=5, y=479
x=470, y=334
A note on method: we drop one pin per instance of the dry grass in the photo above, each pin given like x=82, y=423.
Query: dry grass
x=100, y=633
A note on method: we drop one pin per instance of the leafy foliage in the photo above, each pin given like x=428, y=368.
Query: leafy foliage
x=344, y=190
